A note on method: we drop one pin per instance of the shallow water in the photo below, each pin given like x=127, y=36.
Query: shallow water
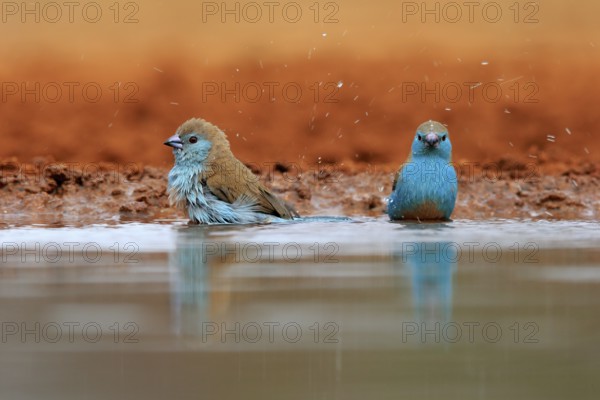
x=341, y=309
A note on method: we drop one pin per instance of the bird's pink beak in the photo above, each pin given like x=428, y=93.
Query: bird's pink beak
x=432, y=139
x=174, y=142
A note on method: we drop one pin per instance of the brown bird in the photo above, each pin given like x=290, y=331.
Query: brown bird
x=214, y=186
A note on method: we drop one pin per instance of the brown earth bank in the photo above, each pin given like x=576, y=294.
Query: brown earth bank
x=53, y=193
x=330, y=107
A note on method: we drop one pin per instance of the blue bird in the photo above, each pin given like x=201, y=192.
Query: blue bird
x=425, y=187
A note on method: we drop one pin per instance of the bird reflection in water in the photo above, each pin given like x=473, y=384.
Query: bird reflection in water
x=198, y=292
x=431, y=266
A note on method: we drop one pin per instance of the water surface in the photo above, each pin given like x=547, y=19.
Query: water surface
x=326, y=310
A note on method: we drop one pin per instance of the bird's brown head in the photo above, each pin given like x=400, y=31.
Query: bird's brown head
x=199, y=139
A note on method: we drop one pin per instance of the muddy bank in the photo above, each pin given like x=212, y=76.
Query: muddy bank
x=61, y=193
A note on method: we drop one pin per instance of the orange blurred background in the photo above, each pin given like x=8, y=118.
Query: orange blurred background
x=305, y=81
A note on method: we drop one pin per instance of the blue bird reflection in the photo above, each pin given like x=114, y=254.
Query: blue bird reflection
x=431, y=266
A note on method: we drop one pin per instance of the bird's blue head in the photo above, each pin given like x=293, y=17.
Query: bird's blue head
x=191, y=144
x=432, y=139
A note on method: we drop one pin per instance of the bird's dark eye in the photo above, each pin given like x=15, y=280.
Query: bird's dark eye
x=419, y=137
x=443, y=137
x=193, y=139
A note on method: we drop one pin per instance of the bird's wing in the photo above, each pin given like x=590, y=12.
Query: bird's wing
x=397, y=179
x=273, y=205
x=398, y=175
x=241, y=183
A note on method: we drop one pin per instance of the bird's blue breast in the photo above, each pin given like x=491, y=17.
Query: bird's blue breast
x=426, y=189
